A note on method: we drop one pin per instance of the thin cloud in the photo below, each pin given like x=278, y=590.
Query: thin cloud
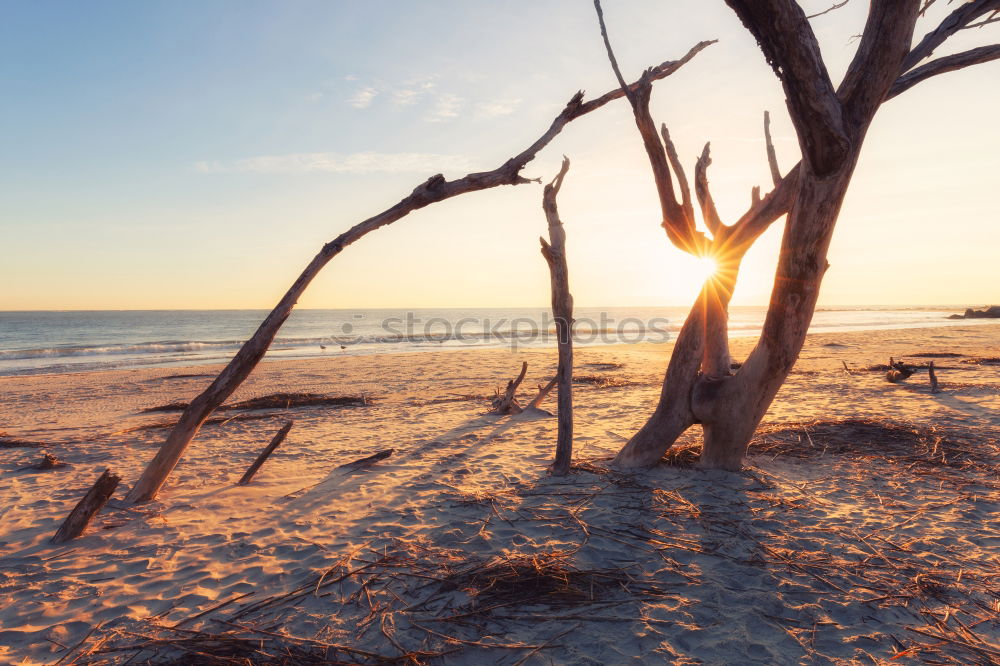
x=353, y=163
x=447, y=107
x=497, y=108
x=363, y=98
x=405, y=97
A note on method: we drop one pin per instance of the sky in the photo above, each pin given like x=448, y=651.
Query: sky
x=162, y=154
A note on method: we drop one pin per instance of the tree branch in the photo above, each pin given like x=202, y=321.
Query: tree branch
x=942, y=65
x=835, y=7
x=772, y=156
x=708, y=211
x=790, y=47
x=957, y=20
x=675, y=163
x=677, y=221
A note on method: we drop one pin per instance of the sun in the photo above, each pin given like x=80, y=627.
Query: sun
x=706, y=268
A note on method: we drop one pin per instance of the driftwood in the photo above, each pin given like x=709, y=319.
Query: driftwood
x=276, y=441
x=434, y=190
x=87, y=508
x=367, y=461
x=847, y=369
x=898, y=371
x=48, y=462
x=507, y=402
x=932, y=376
x=554, y=252
x=543, y=392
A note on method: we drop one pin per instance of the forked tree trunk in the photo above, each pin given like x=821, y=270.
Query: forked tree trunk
x=831, y=125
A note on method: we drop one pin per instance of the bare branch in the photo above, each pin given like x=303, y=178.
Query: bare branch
x=994, y=18
x=772, y=156
x=942, y=65
x=562, y=310
x=958, y=19
x=675, y=163
x=828, y=10
x=677, y=222
x=611, y=53
x=812, y=102
x=708, y=211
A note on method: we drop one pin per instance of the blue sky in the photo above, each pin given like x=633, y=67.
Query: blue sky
x=181, y=154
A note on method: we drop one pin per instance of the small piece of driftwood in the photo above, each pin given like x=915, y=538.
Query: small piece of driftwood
x=898, y=371
x=364, y=462
x=543, y=392
x=847, y=369
x=87, y=508
x=278, y=438
x=935, y=388
x=507, y=403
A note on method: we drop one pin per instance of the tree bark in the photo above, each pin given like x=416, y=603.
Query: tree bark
x=554, y=252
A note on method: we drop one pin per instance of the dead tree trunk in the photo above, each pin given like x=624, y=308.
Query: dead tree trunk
x=435, y=189
x=554, y=252
x=276, y=441
x=85, y=510
x=506, y=403
x=830, y=124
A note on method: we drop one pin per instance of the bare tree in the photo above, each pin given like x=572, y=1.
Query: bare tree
x=830, y=122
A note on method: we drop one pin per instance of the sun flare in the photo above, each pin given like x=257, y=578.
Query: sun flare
x=706, y=268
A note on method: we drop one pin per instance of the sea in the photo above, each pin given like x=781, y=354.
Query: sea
x=39, y=342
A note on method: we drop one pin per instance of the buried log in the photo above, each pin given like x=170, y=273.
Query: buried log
x=932, y=376
x=276, y=441
x=367, y=461
x=554, y=252
x=81, y=515
x=47, y=462
x=543, y=392
x=898, y=371
x=507, y=403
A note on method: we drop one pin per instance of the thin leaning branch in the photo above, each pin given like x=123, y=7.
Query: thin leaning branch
x=675, y=163
x=434, y=190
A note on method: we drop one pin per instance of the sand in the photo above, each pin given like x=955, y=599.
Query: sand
x=837, y=544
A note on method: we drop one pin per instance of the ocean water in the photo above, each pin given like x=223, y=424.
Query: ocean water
x=79, y=341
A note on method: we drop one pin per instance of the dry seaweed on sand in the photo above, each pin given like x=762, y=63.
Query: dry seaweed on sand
x=604, y=366
x=279, y=401
x=990, y=360
x=604, y=381
x=905, y=443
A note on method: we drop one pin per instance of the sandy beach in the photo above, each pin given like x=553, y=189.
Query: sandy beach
x=864, y=529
